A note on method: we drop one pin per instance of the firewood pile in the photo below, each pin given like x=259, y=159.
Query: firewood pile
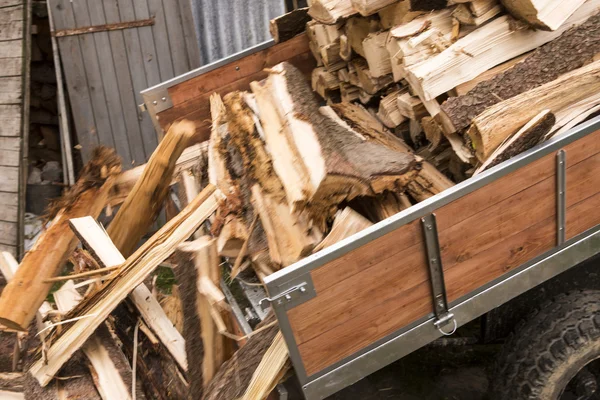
x=412, y=96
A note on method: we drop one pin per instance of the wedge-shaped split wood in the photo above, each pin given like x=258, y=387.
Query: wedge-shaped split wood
x=23, y=296
x=543, y=14
x=137, y=267
x=331, y=11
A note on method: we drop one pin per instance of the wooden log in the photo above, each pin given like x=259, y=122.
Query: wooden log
x=207, y=349
x=145, y=200
x=289, y=25
x=498, y=122
x=388, y=109
x=357, y=29
x=576, y=48
x=397, y=14
x=366, y=81
x=369, y=168
x=347, y=222
x=411, y=107
x=98, y=306
x=23, y=296
x=369, y=7
x=234, y=376
x=94, y=238
x=531, y=134
x=330, y=11
x=465, y=88
x=428, y=5
x=547, y=15
x=484, y=48
x=376, y=54
x=345, y=48
x=464, y=14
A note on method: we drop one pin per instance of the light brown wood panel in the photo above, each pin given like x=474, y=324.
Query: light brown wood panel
x=346, y=339
x=9, y=207
x=9, y=158
x=8, y=233
x=10, y=143
x=360, y=294
x=11, y=30
x=11, y=66
x=367, y=256
x=11, y=48
x=10, y=14
x=10, y=121
x=9, y=179
x=10, y=89
x=583, y=216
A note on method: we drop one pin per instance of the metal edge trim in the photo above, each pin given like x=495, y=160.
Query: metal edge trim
x=280, y=279
x=409, y=339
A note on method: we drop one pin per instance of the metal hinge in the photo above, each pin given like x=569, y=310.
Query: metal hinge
x=436, y=274
x=290, y=297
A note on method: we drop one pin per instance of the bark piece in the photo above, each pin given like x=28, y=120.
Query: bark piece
x=289, y=25
x=497, y=123
x=576, y=48
x=270, y=370
x=98, y=306
x=490, y=45
x=145, y=200
x=23, y=296
x=547, y=14
x=527, y=137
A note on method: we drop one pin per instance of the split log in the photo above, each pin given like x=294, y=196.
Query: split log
x=428, y=5
x=330, y=11
x=269, y=371
x=96, y=240
x=316, y=143
x=465, y=88
x=488, y=46
x=388, y=109
x=145, y=200
x=428, y=182
x=369, y=7
x=234, y=376
x=527, y=137
x=411, y=107
x=498, y=122
x=206, y=348
x=548, y=15
x=376, y=54
x=289, y=25
x=398, y=13
x=576, y=47
x=98, y=306
x=346, y=223
x=464, y=14
x=23, y=296
x=357, y=29
x=345, y=48
x=11, y=386
x=366, y=81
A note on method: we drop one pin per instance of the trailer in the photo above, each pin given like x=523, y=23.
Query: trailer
x=375, y=297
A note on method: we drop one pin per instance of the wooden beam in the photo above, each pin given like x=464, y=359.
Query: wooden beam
x=137, y=267
x=23, y=296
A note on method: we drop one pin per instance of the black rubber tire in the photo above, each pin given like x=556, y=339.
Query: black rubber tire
x=546, y=352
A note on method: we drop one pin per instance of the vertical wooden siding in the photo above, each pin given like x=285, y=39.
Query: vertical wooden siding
x=105, y=71
x=14, y=99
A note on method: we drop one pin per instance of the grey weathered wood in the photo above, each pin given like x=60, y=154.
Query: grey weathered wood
x=147, y=43
x=10, y=143
x=74, y=69
x=10, y=158
x=24, y=167
x=77, y=11
x=176, y=38
x=11, y=66
x=161, y=39
x=8, y=3
x=8, y=233
x=10, y=14
x=10, y=90
x=11, y=48
x=11, y=30
x=111, y=82
x=9, y=179
x=189, y=33
x=126, y=87
x=10, y=119
x=9, y=207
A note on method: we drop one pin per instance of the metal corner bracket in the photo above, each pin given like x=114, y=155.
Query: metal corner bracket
x=288, y=296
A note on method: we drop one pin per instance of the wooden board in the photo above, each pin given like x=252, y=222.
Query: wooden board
x=383, y=286
x=106, y=71
x=190, y=98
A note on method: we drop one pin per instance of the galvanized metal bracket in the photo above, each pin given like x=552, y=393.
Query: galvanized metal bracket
x=561, y=197
x=436, y=273
x=293, y=295
x=158, y=100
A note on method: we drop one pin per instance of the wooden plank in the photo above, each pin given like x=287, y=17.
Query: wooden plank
x=125, y=87
x=111, y=83
x=175, y=32
x=10, y=158
x=9, y=207
x=161, y=40
x=10, y=143
x=189, y=33
x=10, y=89
x=11, y=48
x=11, y=14
x=80, y=15
x=11, y=66
x=8, y=3
x=8, y=233
x=10, y=120
x=11, y=30
x=147, y=43
x=139, y=80
x=76, y=81
x=9, y=179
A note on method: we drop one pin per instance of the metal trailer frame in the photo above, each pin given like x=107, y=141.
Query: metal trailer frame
x=293, y=285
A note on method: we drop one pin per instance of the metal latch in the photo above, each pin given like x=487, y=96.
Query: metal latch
x=436, y=274
x=287, y=296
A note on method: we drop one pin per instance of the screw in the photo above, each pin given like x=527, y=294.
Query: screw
x=237, y=68
x=429, y=227
x=302, y=289
x=155, y=102
x=164, y=99
x=288, y=297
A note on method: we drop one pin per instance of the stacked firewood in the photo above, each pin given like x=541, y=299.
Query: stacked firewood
x=447, y=75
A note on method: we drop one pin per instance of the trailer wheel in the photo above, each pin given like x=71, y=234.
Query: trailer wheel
x=555, y=354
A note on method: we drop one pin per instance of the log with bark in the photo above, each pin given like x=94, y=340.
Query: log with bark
x=289, y=25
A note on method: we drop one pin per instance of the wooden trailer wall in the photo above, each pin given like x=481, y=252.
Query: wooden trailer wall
x=15, y=45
